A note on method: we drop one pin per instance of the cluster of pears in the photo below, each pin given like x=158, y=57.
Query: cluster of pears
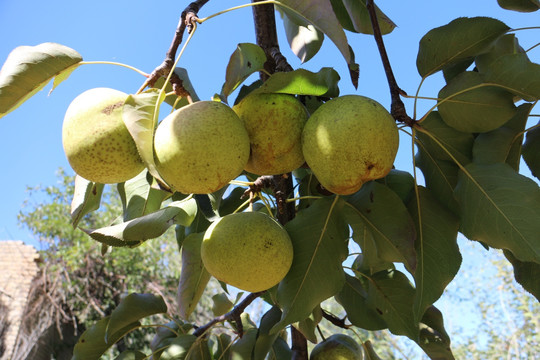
x=200, y=147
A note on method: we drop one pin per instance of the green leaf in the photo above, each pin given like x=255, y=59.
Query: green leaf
x=436, y=247
x=517, y=74
x=265, y=339
x=457, y=143
x=454, y=70
x=460, y=39
x=172, y=99
x=133, y=308
x=433, y=338
x=138, y=115
x=401, y=182
x=220, y=304
x=500, y=208
x=308, y=326
x=479, y=110
x=354, y=16
x=526, y=274
x=506, y=44
x=242, y=349
x=136, y=231
x=92, y=344
x=86, y=198
x=321, y=15
x=29, y=68
x=131, y=355
x=304, y=39
x=354, y=299
x=369, y=351
x=319, y=241
x=245, y=60
x=520, y=5
x=223, y=342
x=440, y=177
x=193, y=277
x=531, y=150
x=178, y=348
x=280, y=350
x=141, y=198
x=391, y=295
x=378, y=211
x=303, y=82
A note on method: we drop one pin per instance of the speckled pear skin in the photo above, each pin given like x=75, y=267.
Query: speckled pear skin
x=200, y=147
x=274, y=123
x=96, y=142
x=348, y=141
x=247, y=250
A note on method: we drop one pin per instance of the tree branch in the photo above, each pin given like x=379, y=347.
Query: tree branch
x=397, y=108
x=233, y=315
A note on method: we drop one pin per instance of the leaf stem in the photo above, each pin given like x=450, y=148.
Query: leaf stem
x=116, y=64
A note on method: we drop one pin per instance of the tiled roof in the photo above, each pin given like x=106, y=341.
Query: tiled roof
x=17, y=269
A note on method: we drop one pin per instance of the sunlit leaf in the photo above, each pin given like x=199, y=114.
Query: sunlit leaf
x=303, y=82
x=520, y=5
x=379, y=211
x=304, y=39
x=319, y=241
x=526, y=274
x=220, y=304
x=138, y=115
x=354, y=299
x=531, y=150
x=193, y=277
x=245, y=60
x=460, y=39
x=436, y=247
x=479, y=110
x=86, y=198
x=354, y=16
x=172, y=99
x=500, y=208
x=131, y=355
x=177, y=348
x=517, y=74
x=141, y=198
x=29, y=68
x=134, y=232
x=133, y=308
x=92, y=344
x=265, y=339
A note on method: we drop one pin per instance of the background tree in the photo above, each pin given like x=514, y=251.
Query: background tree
x=406, y=228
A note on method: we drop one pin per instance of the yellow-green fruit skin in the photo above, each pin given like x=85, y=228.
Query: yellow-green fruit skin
x=337, y=347
x=96, y=141
x=200, y=147
x=348, y=141
x=274, y=123
x=247, y=250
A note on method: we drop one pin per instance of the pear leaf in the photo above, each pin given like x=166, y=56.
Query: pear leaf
x=86, y=198
x=29, y=68
x=303, y=82
x=245, y=60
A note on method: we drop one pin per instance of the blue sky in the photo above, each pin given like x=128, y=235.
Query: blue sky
x=139, y=33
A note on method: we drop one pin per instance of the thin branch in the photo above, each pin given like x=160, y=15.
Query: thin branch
x=335, y=320
x=233, y=316
x=397, y=108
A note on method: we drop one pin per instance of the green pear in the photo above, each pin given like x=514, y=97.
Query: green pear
x=248, y=250
x=200, y=147
x=96, y=141
x=274, y=123
x=337, y=347
x=348, y=141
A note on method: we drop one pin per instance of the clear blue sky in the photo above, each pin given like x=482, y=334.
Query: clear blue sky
x=139, y=33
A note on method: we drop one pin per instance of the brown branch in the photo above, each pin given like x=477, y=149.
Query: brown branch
x=188, y=17
x=397, y=108
x=233, y=316
x=335, y=320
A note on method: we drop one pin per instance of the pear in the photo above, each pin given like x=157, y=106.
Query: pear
x=337, y=347
x=348, y=141
x=274, y=123
x=96, y=141
x=200, y=147
x=248, y=250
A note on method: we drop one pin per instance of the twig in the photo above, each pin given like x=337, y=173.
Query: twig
x=188, y=17
x=233, y=315
x=397, y=108
x=335, y=320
